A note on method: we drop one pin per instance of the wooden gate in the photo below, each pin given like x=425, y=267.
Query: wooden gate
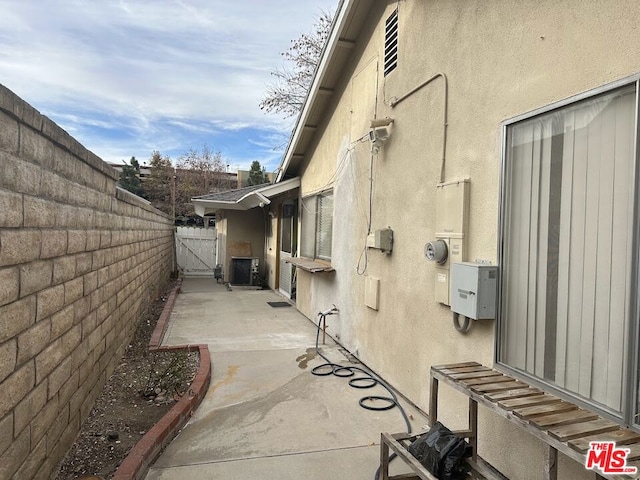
x=196, y=250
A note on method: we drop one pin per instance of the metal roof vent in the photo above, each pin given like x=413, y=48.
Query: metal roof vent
x=391, y=43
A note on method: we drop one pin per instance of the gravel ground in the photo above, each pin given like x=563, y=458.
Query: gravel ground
x=141, y=390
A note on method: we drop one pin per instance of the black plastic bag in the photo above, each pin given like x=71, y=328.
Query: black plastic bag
x=442, y=453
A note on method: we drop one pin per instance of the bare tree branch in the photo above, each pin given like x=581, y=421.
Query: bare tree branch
x=287, y=93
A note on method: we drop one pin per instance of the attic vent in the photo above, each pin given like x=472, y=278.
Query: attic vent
x=391, y=43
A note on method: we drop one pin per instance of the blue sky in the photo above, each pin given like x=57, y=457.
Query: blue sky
x=126, y=77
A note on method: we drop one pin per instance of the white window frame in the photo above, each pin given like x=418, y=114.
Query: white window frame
x=316, y=230
x=630, y=380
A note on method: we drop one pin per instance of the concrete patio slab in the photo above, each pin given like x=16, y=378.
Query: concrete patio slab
x=265, y=415
x=349, y=463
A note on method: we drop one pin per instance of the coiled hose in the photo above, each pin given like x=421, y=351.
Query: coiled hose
x=366, y=379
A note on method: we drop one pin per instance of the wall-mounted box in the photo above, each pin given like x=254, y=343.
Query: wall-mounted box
x=371, y=292
x=473, y=290
x=452, y=218
x=381, y=240
x=442, y=285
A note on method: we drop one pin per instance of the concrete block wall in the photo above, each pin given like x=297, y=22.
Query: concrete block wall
x=80, y=261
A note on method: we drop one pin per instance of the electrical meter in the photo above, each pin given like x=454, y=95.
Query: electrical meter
x=436, y=251
x=451, y=212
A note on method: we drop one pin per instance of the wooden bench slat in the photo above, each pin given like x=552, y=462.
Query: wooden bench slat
x=543, y=399
x=515, y=393
x=634, y=451
x=486, y=380
x=621, y=437
x=457, y=365
x=407, y=436
x=449, y=371
x=564, y=418
x=634, y=463
x=484, y=373
x=540, y=410
x=497, y=387
x=569, y=432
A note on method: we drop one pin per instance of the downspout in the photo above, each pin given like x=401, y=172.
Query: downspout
x=445, y=124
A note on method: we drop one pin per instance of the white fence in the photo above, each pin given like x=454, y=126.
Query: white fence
x=196, y=250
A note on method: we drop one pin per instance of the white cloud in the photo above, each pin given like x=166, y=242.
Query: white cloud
x=144, y=65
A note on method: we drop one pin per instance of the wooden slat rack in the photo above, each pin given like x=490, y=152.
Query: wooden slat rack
x=562, y=426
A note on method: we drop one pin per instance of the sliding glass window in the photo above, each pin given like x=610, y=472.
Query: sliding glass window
x=567, y=252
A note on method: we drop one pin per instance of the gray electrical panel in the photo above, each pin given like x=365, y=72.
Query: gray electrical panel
x=473, y=290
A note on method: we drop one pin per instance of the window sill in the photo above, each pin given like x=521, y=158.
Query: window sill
x=308, y=265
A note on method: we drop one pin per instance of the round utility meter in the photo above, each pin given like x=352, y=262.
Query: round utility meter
x=436, y=251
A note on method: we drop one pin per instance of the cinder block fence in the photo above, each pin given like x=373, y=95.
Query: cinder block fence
x=80, y=261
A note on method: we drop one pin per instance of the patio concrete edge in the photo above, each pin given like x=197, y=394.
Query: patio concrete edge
x=136, y=465
x=163, y=322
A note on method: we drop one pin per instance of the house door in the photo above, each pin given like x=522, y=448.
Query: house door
x=288, y=244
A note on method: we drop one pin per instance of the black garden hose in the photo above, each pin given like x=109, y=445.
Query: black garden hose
x=367, y=379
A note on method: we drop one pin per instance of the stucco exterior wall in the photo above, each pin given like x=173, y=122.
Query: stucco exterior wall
x=221, y=245
x=244, y=226
x=80, y=261
x=502, y=58
x=271, y=251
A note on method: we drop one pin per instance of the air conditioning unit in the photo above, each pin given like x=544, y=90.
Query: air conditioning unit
x=244, y=270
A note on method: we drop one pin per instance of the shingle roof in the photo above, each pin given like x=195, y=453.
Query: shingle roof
x=230, y=195
x=243, y=198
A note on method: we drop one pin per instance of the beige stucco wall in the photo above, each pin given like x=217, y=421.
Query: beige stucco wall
x=271, y=251
x=243, y=226
x=502, y=58
x=221, y=245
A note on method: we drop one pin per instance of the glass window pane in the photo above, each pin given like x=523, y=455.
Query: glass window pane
x=308, y=227
x=286, y=241
x=324, y=226
x=567, y=234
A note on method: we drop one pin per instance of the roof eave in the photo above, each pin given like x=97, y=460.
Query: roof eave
x=325, y=62
x=256, y=198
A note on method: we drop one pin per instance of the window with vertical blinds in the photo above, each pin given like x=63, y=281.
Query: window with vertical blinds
x=567, y=247
x=316, y=226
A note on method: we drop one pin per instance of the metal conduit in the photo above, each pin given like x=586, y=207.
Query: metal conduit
x=396, y=101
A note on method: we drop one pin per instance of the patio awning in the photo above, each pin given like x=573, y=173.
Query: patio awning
x=242, y=198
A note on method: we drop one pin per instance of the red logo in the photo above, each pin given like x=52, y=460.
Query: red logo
x=609, y=459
